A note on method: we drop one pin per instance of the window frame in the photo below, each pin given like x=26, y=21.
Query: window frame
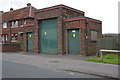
x=15, y=24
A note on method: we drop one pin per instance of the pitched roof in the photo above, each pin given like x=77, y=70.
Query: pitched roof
x=19, y=14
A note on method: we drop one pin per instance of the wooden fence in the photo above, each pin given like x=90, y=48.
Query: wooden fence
x=109, y=43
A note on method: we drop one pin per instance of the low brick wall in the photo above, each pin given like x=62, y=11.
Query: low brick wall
x=10, y=47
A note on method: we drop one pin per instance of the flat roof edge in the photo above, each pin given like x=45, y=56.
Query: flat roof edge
x=81, y=18
x=58, y=6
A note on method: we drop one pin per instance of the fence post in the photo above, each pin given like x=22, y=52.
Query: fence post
x=101, y=55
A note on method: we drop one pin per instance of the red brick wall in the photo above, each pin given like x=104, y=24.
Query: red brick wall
x=61, y=14
x=10, y=47
x=72, y=25
x=67, y=13
x=29, y=27
x=53, y=13
x=86, y=48
x=92, y=45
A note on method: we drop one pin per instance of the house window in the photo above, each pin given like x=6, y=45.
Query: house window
x=23, y=22
x=5, y=25
x=94, y=35
x=14, y=38
x=4, y=37
x=14, y=23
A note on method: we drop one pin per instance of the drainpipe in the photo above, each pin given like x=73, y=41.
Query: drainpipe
x=86, y=37
x=10, y=37
x=1, y=12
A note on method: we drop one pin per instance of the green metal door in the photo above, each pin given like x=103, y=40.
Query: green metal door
x=73, y=41
x=29, y=42
x=48, y=36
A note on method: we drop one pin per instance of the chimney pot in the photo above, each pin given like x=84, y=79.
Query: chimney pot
x=1, y=11
x=11, y=9
x=28, y=4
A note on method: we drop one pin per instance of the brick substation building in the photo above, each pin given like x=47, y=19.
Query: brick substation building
x=54, y=30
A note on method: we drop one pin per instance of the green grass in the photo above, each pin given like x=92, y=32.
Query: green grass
x=109, y=59
x=110, y=56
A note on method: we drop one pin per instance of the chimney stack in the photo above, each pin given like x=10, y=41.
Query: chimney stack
x=11, y=9
x=28, y=5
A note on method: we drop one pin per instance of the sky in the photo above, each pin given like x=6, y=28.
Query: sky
x=104, y=10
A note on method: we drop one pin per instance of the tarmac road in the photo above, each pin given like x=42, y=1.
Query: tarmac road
x=17, y=70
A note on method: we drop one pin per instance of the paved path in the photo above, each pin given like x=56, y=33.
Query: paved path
x=63, y=63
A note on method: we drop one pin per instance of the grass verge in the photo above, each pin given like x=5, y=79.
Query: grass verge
x=109, y=59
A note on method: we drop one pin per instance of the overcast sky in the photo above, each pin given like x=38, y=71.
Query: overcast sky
x=104, y=10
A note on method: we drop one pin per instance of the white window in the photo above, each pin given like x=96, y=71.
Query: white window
x=4, y=37
x=94, y=35
x=14, y=23
x=14, y=38
x=23, y=21
x=5, y=25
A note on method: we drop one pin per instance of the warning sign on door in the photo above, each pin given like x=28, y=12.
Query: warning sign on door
x=45, y=33
x=73, y=35
x=30, y=35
